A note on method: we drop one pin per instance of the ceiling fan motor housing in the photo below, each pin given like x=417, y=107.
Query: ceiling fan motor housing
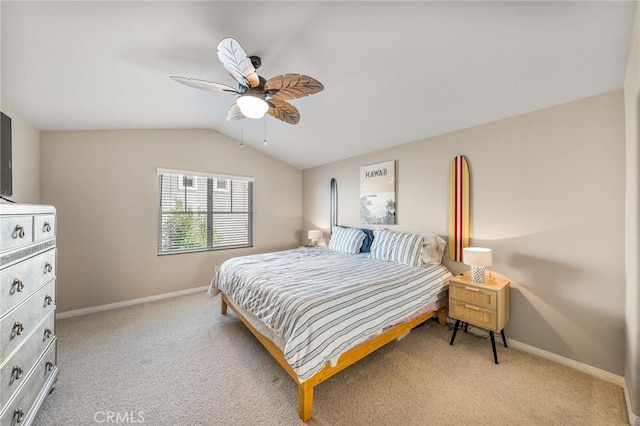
x=256, y=61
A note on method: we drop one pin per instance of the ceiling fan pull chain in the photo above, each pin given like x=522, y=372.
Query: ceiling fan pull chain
x=241, y=134
x=265, y=130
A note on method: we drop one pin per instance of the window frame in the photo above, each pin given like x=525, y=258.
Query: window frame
x=212, y=180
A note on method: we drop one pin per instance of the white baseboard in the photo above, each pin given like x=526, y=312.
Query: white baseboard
x=633, y=419
x=100, y=308
x=585, y=368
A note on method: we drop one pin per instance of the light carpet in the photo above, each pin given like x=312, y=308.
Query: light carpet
x=180, y=362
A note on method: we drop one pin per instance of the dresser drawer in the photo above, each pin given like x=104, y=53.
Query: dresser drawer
x=21, y=280
x=484, y=318
x=44, y=227
x=18, y=324
x=473, y=295
x=15, y=231
x=16, y=368
x=22, y=405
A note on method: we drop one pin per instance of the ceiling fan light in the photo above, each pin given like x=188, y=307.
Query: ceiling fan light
x=252, y=106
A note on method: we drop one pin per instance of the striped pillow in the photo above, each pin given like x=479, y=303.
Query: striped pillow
x=397, y=247
x=346, y=240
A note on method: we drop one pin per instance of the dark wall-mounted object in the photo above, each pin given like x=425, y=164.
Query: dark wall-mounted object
x=333, y=201
x=6, y=171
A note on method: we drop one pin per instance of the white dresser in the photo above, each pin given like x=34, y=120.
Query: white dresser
x=28, y=368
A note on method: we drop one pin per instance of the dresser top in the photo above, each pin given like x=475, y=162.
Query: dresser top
x=15, y=208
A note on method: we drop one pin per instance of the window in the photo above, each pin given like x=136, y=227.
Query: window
x=200, y=211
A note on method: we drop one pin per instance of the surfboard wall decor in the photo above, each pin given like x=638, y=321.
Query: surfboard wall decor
x=458, y=208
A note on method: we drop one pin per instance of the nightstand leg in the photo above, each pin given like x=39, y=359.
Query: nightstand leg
x=466, y=326
x=504, y=338
x=455, y=330
x=493, y=346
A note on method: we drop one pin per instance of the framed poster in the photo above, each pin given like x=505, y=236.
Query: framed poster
x=378, y=193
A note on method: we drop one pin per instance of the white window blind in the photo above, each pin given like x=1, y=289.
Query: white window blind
x=202, y=211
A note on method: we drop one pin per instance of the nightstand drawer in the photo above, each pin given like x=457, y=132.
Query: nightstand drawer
x=466, y=312
x=473, y=295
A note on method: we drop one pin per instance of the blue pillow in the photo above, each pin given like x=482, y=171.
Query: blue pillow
x=368, y=240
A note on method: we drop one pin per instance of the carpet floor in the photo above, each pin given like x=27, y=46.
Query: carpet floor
x=180, y=362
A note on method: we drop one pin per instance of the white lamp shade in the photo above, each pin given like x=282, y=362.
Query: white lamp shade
x=477, y=256
x=252, y=106
x=314, y=235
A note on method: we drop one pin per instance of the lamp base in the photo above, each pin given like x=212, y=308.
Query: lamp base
x=477, y=274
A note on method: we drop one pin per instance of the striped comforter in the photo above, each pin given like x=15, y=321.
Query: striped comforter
x=322, y=302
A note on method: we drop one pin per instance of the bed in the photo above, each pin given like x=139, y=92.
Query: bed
x=319, y=310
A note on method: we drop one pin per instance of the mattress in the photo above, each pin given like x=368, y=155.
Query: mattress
x=316, y=304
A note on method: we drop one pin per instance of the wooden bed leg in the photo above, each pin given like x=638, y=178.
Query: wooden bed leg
x=223, y=306
x=305, y=395
x=442, y=316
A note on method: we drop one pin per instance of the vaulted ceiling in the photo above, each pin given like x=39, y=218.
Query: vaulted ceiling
x=393, y=72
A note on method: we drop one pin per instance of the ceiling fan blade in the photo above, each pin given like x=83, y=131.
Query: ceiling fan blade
x=283, y=111
x=292, y=86
x=205, y=85
x=235, y=61
x=234, y=113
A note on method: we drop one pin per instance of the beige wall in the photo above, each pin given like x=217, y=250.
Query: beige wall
x=105, y=187
x=547, y=195
x=632, y=297
x=25, y=157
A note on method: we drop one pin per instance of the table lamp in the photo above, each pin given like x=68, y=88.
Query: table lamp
x=314, y=236
x=477, y=258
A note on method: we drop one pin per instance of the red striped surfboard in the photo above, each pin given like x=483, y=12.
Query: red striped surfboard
x=458, y=208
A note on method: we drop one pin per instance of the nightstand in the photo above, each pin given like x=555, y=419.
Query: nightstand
x=485, y=305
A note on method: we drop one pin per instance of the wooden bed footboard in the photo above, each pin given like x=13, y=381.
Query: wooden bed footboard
x=305, y=389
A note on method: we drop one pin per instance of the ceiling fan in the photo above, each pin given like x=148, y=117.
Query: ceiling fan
x=257, y=95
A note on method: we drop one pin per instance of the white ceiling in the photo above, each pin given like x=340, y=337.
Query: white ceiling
x=393, y=72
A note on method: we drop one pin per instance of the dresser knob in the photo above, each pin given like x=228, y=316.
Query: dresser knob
x=48, y=366
x=18, y=232
x=47, y=300
x=16, y=372
x=18, y=329
x=47, y=267
x=18, y=415
x=17, y=286
x=47, y=333
x=46, y=227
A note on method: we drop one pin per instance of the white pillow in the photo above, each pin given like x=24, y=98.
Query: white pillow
x=433, y=249
x=397, y=247
x=346, y=240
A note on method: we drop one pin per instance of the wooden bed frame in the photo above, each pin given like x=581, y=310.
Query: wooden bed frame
x=305, y=389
